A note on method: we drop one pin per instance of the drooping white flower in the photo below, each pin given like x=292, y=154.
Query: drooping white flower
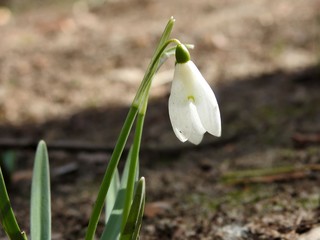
x=193, y=108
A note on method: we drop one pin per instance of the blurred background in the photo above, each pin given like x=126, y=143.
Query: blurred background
x=70, y=69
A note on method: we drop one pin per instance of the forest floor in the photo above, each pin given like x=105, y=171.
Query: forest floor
x=69, y=71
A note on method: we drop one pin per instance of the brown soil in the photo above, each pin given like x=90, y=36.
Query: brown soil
x=68, y=75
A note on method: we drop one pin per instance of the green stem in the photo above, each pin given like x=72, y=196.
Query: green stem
x=152, y=69
x=7, y=217
x=133, y=168
x=114, y=160
x=139, y=99
x=135, y=156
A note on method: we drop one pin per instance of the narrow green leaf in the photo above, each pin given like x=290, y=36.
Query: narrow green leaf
x=7, y=217
x=139, y=220
x=112, y=194
x=133, y=224
x=125, y=174
x=113, y=226
x=40, y=211
x=133, y=169
x=166, y=34
x=106, y=181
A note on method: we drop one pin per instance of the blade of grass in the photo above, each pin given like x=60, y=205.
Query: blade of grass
x=40, y=212
x=7, y=217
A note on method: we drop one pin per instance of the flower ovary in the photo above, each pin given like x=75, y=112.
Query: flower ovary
x=182, y=54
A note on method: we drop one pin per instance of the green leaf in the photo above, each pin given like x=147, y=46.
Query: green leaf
x=165, y=35
x=7, y=217
x=139, y=220
x=113, y=226
x=133, y=224
x=112, y=194
x=112, y=166
x=125, y=174
x=134, y=167
x=40, y=221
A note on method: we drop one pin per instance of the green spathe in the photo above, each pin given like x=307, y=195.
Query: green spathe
x=182, y=54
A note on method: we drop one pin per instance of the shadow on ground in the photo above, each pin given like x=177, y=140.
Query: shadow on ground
x=264, y=110
x=261, y=118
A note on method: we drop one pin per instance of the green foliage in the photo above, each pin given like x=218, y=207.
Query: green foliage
x=40, y=220
x=133, y=223
x=112, y=228
x=139, y=104
x=112, y=195
x=7, y=217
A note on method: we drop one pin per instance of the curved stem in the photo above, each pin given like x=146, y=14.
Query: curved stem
x=151, y=71
x=139, y=101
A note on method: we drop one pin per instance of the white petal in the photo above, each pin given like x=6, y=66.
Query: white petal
x=197, y=129
x=185, y=74
x=183, y=115
x=209, y=113
x=206, y=103
x=178, y=109
x=179, y=135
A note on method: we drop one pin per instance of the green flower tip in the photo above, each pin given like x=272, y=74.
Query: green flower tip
x=182, y=54
x=172, y=19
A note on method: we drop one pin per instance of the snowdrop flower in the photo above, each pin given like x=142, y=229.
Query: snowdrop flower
x=193, y=108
